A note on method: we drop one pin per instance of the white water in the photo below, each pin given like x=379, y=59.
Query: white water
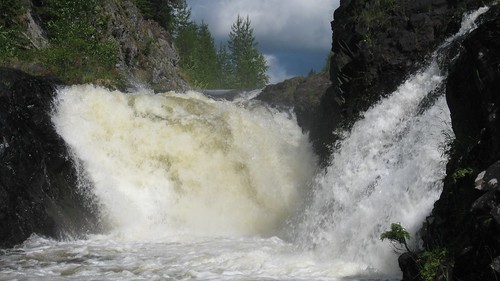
x=182, y=163
x=389, y=171
x=197, y=189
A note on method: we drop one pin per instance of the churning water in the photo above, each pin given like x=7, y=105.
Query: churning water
x=191, y=188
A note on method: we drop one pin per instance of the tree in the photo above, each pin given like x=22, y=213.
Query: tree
x=397, y=234
x=225, y=68
x=182, y=18
x=205, y=59
x=239, y=65
x=161, y=11
x=249, y=65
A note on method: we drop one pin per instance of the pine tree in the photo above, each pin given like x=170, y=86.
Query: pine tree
x=225, y=68
x=249, y=65
x=182, y=18
x=205, y=58
x=185, y=43
x=161, y=11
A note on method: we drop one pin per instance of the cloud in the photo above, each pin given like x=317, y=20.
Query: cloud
x=277, y=72
x=295, y=35
x=296, y=24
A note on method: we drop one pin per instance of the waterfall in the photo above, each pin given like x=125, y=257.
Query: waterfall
x=173, y=163
x=388, y=168
x=197, y=188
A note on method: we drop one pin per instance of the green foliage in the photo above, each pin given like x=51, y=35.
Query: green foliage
x=198, y=55
x=9, y=42
x=433, y=264
x=460, y=173
x=448, y=146
x=378, y=12
x=249, y=65
x=226, y=72
x=182, y=18
x=10, y=36
x=397, y=234
x=161, y=11
x=70, y=19
x=326, y=67
x=78, y=51
x=376, y=16
x=235, y=65
x=9, y=11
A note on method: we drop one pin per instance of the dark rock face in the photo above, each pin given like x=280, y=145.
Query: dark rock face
x=282, y=94
x=38, y=184
x=466, y=218
x=376, y=44
x=304, y=94
x=315, y=112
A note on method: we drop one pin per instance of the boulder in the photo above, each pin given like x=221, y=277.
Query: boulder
x=39, y=190
x=305, y=95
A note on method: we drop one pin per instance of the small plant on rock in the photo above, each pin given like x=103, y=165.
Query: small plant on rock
x=398, y=236
x=434, y=264
x=460, y=173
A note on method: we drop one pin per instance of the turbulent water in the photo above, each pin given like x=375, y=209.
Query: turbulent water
x=194, y=188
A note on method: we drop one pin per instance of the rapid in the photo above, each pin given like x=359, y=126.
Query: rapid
x=192, y=187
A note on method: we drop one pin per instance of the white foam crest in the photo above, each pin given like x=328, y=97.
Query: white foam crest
x=169, y=163
x=468, y=23
x=387, y=170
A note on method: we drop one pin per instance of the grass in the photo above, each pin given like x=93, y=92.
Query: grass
x=77, y=51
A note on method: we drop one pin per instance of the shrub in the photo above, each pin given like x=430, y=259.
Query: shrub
x=433, y=263
x=460, y=173
x=399, y=235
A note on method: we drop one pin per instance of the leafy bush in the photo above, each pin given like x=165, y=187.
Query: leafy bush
x=433, y=264
x=9, y=10
x=397, y=234
x=10, y=39
x=78, y=52
x=460, y=173
x=9, y=42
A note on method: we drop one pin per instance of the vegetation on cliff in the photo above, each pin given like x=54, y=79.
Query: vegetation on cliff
x=71, y=46
x=236, y=64
x=465, y=221
x=119, y=43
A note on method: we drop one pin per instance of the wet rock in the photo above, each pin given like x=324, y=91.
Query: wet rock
x=488, y=179
x=376, y=44
x=407, y=262
x=466, y=218
x=281, y=94
x=305, y=95
x=38, y=183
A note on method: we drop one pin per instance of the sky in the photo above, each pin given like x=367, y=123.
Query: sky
x=293, y=35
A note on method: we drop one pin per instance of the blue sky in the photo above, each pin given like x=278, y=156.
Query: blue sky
x=293, y=35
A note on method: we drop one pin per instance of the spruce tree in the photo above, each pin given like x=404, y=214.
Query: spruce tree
x=225, y=68
x=249, y=65
x=205, y=59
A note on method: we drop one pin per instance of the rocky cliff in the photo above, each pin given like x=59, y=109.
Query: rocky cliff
x=465, y=221
x=302, y=94
x=37, y=177
x=146, y=54
x=113, y=40
x=375, y=45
